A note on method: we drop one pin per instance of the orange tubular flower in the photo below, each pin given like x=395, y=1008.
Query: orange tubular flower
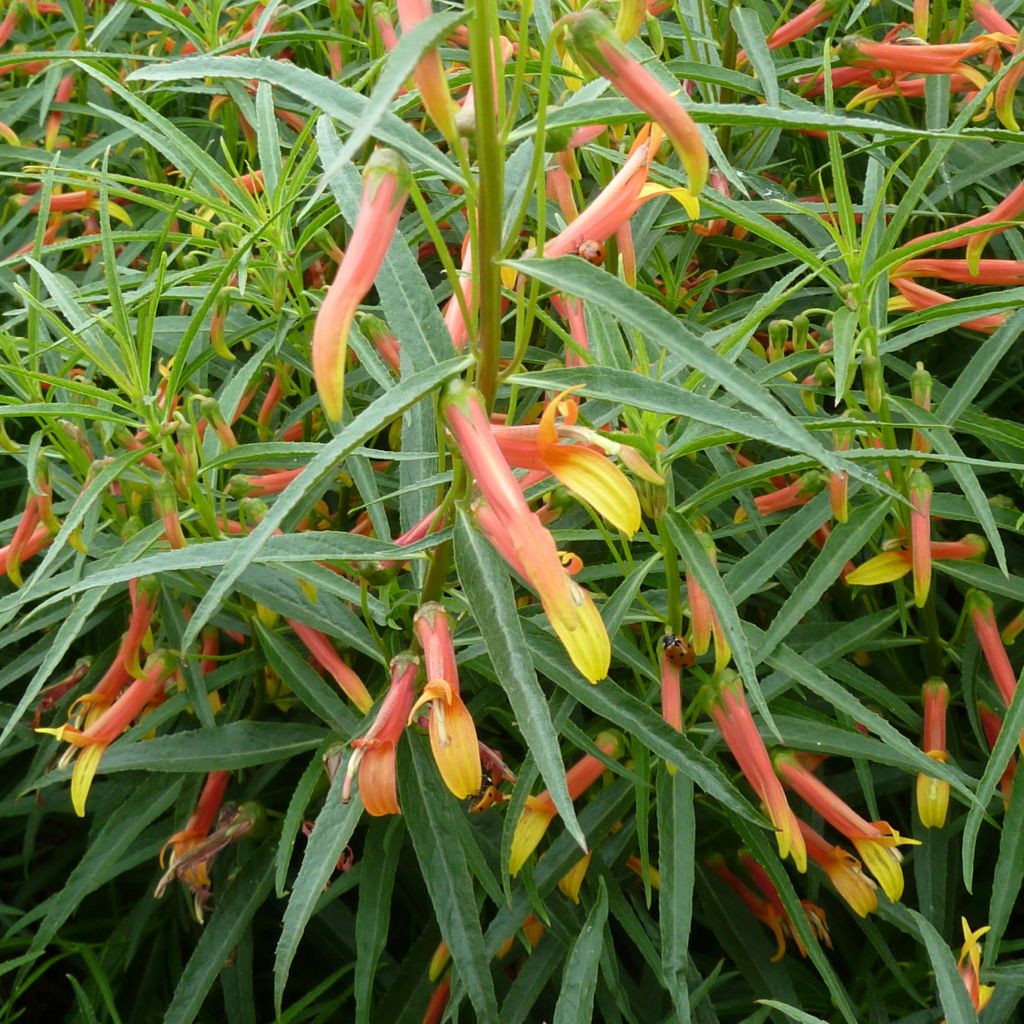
x=1006, y=92
x=916, y=296
x=910, y=57
x=374, y=753
x=991, y=724
x=807, y=20
x=327, y=657
x=1004, y=273
x=990, y=19
x=521, y=538
x=449, y=723
x=584, y=471
x=1004, y=214
x=932, y=793
x=844, y=872
x=771, y=915
x=671, y=694
x=920, y=534
x=731, y=714
x=540, y=810
x=593, y=36
x=983, y=619
x=614, y=205
x=429, y=74
x=196, y=876
x=385, y=186
x=969, y=966
x=95, y=739
x=876, y=842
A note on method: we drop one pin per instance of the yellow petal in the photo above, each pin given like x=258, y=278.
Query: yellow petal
x=884, y=863
x=571, y=882
x=82, y=775
x=599, y=482
x=883, y=568
x=530, y=829
x=583, y=635
x=456, y=752
x=683, y=196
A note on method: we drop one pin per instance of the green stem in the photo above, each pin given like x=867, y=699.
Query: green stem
x=670, y=559
x=490, y=152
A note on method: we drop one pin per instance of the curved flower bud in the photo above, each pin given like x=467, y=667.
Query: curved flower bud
x=385, y=186
x=593, y=36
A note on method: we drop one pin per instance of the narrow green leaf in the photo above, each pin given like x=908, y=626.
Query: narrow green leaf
x=235, y=908
x=321, y=697
x=699, y=563
x=428, y=808
x=844, y=327
x=317, y=474
x=578, y=277
x=380, y=865
x=492, y=603
x=293, y=818
x=677, y=828
x=845, y=541
x=331, y=832
x=953, y=997
x=579, y=981
x=752, y=38
x=636, y=718
x=315, y=90
x=110, y=846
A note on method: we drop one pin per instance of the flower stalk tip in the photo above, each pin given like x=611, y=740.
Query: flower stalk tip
x=932, y=793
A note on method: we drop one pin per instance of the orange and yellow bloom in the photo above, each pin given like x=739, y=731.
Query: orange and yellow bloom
x=843, y=870
x=373, y=754
x=520, y=537
x=385, y=186
x=876, y=842
x=449, y=723
x=731, y=714
x=932, y=793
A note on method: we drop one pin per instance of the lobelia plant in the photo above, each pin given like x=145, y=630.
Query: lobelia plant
x=500, y=501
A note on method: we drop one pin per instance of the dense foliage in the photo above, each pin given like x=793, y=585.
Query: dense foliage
x=512, y=512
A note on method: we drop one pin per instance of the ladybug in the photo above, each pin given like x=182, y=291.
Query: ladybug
x=677, y=651
x=592, y=251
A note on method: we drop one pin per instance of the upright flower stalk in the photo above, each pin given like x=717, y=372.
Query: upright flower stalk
x=932, y=793
x=385, y=187
x=731, y=713
x=450, y=725
x=593, y=37
x=876, y=842
x=373, y=755
x=521, y=538
x=540, y=810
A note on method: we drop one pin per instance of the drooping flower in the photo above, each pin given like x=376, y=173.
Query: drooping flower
x=876, y=842
x=385, y=186
x=983, y=618
x=586, y=472
x=195, y=874
x=429, y=73
x=540, y=810
x=322, y=650
x=593, y=36
x=373, y=754
x=969, y=966
x=449, y=723
x=895, y=564
x=932, y=793
x=798, y=26
x=844, y=871
x=731, y=714
x=770, y=914
x=90, y=743
x=910, y=55
x=521, y=538
x=991, y=725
